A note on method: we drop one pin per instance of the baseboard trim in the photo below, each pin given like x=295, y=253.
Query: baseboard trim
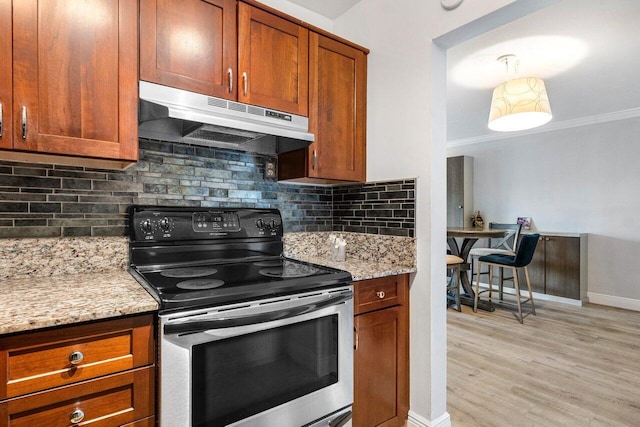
x=415, y=420
x=613, y=301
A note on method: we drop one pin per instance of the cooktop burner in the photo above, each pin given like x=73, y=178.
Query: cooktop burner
x=200, y=284
x=189, y=272
x=274, y=263
x=288, y=269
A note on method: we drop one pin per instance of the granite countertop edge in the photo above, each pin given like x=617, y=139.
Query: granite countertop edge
x=359, y=269
x=30, y=303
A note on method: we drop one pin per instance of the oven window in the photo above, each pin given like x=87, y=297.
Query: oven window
x=237, y=377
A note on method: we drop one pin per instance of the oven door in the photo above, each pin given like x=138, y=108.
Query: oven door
x=277, y=362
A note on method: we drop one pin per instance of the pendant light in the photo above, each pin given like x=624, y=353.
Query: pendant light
x=520, y=103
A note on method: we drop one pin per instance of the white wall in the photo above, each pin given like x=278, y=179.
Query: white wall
x=577, y=180
x=406, y=125
x=406, y=128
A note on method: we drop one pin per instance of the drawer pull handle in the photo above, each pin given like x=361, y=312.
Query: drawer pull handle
x=245, y=81
x=77, y=416
x=356, y=338
x=380, y=294
x=24, y=122
x=76, y=357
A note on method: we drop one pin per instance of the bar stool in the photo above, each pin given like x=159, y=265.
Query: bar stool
x=453, y=287
x=521, y=259
x=507, y=245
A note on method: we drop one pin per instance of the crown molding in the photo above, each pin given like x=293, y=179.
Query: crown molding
x=550, y=127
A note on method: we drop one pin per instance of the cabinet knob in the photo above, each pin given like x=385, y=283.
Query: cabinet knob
x=76, y=357
x=76, y=416
x=380, y=294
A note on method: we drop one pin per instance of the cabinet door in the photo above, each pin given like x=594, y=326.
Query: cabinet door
x=562, y=266
x=273, y=61
x=338, y=110
x=536, y=270
x=75, y=77
x=190, y=45
x=455, y=191
x=376, y=367
x=6, y=78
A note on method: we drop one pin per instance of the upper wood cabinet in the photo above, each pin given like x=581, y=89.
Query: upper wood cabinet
x=459, y=191
x=273, y=61
x=71, y=87
x=6, y=76
x=195, y=45
x=190, y=45
x=337, y=116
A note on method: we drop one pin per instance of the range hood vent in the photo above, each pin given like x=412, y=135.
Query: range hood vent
x=176, y=115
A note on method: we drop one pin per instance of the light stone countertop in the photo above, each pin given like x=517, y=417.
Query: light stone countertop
x=61, y=281
x=359, y=269
x=367, y=255
x=40, y=302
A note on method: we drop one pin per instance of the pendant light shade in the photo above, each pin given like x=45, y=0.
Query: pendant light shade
x=519, y=104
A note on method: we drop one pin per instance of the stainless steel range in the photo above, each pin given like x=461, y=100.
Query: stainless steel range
x=247, y=337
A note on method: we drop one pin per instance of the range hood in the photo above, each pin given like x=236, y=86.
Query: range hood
x=177, y=115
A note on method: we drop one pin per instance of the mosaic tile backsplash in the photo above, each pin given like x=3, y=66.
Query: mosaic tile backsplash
x=39, y=200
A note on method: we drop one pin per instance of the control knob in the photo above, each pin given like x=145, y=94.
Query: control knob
x=273, y=224
x=147, y=226
x=165, y=224
x=260, y=224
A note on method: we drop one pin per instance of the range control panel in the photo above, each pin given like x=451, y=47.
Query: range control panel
x=153, y=223
x=204, y=222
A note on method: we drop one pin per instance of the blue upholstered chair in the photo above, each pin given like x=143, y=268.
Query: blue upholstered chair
x=521, y=259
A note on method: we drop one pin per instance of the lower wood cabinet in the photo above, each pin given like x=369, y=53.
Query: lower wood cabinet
x=381, y=358
x=559, y=266
x=101, y=373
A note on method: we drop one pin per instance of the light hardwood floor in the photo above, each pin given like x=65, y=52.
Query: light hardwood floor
x=567, y=366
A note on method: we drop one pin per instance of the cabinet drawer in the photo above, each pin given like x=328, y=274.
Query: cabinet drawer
x=146, y=422
x=375, y=294
x=113, y=400
x=41, y=360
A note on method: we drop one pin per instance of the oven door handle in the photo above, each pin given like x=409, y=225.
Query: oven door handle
x=232, y=322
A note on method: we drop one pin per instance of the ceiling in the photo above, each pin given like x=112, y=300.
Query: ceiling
x=585, y=50
x=329, y=8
